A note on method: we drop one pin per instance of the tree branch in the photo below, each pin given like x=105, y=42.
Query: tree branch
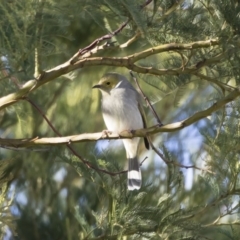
x=127, y=62
x=85, y=137
x=110, y=45
x=97, y=41
x=172, y=47
x=176, y=163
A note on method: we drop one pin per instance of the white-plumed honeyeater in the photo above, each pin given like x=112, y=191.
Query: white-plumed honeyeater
x=122, y=110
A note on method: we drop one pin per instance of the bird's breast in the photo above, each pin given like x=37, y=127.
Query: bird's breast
x=120, y=111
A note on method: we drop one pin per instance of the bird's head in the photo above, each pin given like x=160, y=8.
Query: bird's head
x=108, y=82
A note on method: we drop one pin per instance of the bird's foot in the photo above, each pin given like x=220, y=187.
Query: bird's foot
x=106, y=133
x=127, y=132
x=131, y=131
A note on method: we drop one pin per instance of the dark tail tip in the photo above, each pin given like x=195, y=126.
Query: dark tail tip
x=134, y=184
x=134, y=174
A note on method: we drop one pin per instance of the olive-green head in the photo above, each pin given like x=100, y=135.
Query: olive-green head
x=108, y=82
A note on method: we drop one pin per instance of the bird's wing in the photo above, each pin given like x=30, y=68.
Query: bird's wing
x=141, y=110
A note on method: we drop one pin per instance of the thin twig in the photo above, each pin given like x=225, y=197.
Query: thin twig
x=108, y=36
x=175, y=163
x=145, y=4
x=6, y=73
x=105, y=37
x=222, y=85
x=141, y=163
x=147, y=100
x=130, y=41
x=110, y=45
x=171, y=9
x=183, y=60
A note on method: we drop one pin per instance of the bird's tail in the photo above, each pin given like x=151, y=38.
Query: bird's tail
x=134, y=174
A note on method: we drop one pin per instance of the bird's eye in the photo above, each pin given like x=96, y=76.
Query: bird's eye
x=108, y=83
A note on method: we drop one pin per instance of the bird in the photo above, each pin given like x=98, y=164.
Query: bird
x=122, y=109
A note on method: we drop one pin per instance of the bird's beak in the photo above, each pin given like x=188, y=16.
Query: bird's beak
x=96, y=86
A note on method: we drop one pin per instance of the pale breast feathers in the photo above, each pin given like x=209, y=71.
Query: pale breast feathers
x=121, y=112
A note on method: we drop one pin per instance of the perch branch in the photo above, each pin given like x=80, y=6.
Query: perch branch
x=85, y=137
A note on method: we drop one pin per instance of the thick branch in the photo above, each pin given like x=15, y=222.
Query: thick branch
x=173, y=47
x=127, y=62
x=172, y=127
x=14, y=97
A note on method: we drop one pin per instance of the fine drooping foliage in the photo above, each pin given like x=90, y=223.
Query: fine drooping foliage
x=185, y=56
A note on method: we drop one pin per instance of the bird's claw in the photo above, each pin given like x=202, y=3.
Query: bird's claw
x=106, y=133
x=131, y=131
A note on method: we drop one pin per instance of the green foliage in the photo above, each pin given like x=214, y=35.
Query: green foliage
x=49, y=192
